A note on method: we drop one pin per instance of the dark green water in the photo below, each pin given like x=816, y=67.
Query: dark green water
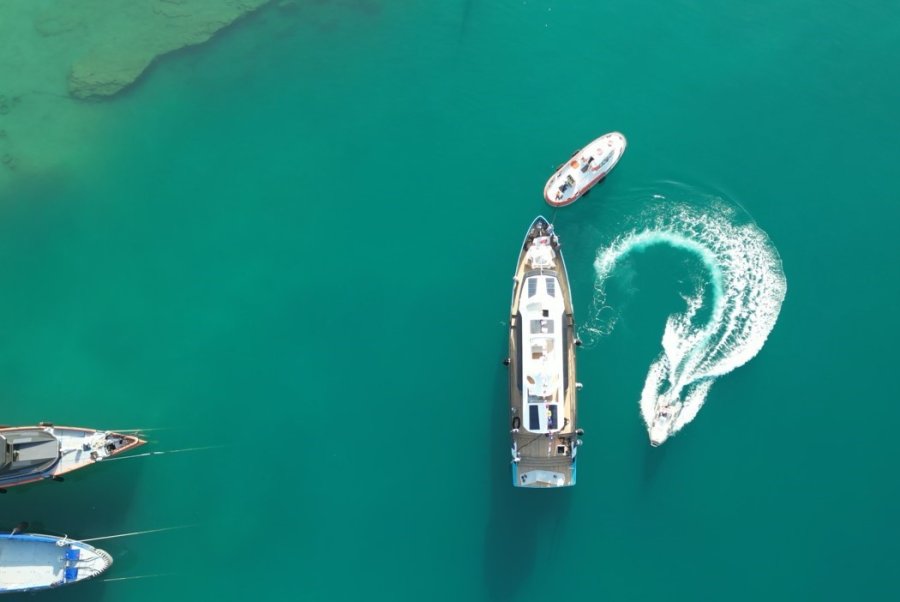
x=299, y=245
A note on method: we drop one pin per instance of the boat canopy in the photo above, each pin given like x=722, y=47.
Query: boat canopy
x=27, y=450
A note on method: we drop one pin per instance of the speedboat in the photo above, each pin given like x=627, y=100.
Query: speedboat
x=34, y=453
x=663, y=422
x=586, y=167
x=542, y=387
x=32, y=562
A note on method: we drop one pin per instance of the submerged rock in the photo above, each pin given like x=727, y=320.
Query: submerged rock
x=9, y=161
x=49, y=24
x=126, y=41
x=54, y=50
x=106, y=74
x=7, y=103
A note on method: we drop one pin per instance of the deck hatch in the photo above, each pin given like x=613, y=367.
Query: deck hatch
x=541, y=326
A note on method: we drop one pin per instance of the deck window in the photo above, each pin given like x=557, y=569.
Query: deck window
x=532, y=287
x=534, y=421
x=551, y=286
x=565, y=343
x=518, y=335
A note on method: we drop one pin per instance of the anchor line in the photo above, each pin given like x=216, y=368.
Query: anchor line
x=138, y=577
x=162, y=428
x=162, y=453
x=138, y=533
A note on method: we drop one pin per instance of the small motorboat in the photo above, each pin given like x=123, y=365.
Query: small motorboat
x=31, y=562
x=34, y=453
x=585, y=168
x=663, y=422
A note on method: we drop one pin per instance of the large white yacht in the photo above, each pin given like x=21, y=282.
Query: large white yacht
x=542, y=387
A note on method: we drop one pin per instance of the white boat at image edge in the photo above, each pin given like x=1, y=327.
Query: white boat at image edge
x=32, y=562
x=34, y=453
x=585, y=167
x=542, y=387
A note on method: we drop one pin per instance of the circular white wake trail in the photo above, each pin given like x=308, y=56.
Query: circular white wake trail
x=745, y=286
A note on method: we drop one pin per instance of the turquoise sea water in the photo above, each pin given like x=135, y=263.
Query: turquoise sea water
x=296, y=242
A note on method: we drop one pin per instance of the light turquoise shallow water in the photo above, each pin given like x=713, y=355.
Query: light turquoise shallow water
x=299, y=243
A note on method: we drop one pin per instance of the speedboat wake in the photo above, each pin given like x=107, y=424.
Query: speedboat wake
x=741, y=292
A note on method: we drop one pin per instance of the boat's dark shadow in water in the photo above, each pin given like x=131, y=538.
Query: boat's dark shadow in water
x=466, y=18
x=105, y=487
x=520, y=519
x=90, y=590
x=653, y=459
x=596, y=186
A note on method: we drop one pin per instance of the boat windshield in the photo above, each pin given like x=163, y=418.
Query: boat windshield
x=27, y=451
x=5, y=453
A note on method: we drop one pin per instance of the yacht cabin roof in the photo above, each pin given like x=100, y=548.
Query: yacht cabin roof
x=541, y=310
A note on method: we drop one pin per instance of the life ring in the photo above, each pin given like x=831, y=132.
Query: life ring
x=573, y=163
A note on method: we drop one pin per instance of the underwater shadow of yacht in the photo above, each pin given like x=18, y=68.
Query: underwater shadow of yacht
x=464, y=22
x=518, y=516
x=96, y=500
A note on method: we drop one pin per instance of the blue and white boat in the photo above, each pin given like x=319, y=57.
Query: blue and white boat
x=31, y=562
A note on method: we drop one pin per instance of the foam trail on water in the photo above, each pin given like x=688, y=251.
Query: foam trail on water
x=744, y=285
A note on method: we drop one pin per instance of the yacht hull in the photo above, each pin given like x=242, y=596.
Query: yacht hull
x=542, y=386
x=36, y=453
